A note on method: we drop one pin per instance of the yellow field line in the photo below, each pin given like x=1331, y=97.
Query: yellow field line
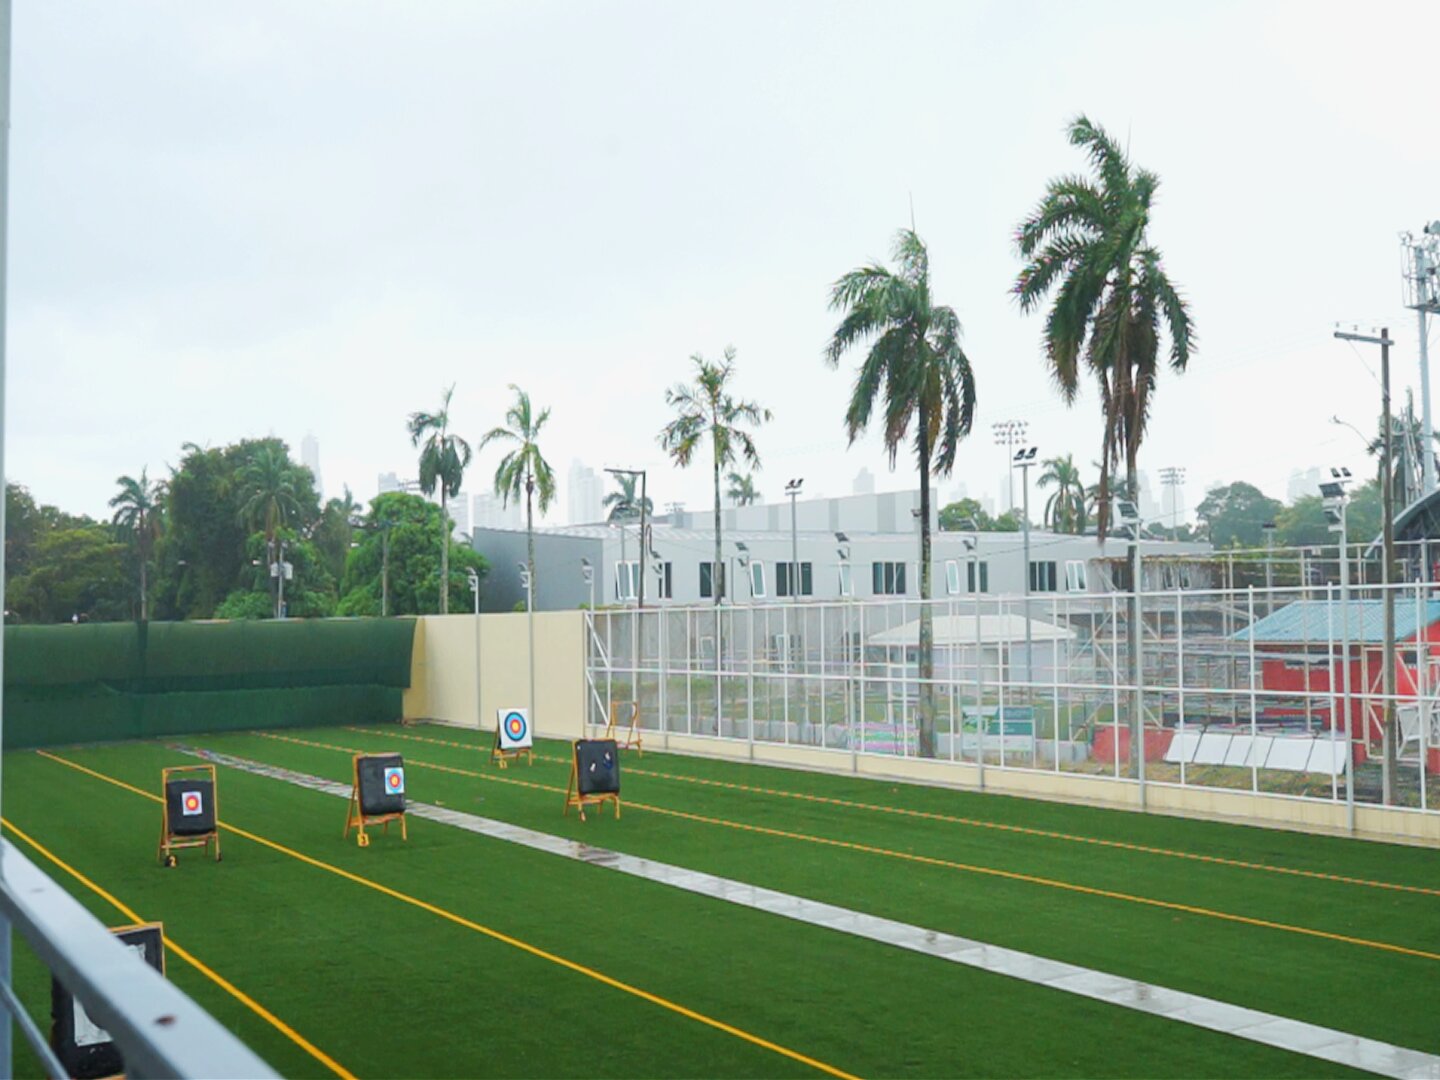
x=927, y=860
x=1025, y=830
x=496, y=935
x=190, y=958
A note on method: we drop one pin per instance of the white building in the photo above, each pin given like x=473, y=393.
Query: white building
x=459, y=509
x=488, y=511
x=583, y=495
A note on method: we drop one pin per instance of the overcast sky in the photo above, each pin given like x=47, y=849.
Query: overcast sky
x=240, y=219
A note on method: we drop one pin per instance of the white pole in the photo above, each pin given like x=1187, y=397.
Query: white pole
x=979, y=681
x=530, y=628
x=1254, y=732
x=5, y=1058
x=1427, y=443
x=1345, y=669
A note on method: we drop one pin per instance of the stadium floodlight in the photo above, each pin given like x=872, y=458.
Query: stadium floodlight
x=1332, y=490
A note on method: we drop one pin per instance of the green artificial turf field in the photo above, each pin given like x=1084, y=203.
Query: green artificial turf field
x=455, y=954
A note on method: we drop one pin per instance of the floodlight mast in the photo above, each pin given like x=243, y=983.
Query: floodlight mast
x=1421, y=270
x=1174, y=479
x=1010, y=434
x=1025, y=458
x=1333, y=492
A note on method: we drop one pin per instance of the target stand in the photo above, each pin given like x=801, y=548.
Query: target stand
x=85, y=1049
x=377, y=797
x=513, y=736
x=629, y=710
x=189, y=817
x=594, y=776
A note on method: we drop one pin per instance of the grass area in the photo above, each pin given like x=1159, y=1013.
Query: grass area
x=388, y=987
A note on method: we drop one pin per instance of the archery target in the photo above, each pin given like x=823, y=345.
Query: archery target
x=395, y=780
x=192, y=803
x=190, y=806
x=597, y=767
x=514, y=727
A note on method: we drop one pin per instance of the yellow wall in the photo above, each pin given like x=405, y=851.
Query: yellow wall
x=442, y=687
x=442, y=670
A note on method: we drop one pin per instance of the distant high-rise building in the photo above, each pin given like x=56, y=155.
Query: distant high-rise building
x=389, y=482
x=1302, y=482
x=459, y=509
x=583, y=494
x=864, y=483
x=310, y=458
x=1148, y=504
x=488, y=511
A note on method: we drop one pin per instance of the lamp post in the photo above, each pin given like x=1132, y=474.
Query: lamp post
x=280, y=570
x=529, y=585
x=1174, y=479
x=1268, y=528
x=1333, y=492
x=972, y=551
x=792, y=489
x=1025, y=458
x=644, y=529
x=474, y=578
x=587, y=571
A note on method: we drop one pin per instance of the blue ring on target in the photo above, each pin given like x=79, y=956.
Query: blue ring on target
x=515, y=726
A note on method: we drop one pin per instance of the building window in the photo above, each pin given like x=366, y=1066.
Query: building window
x=782, y=580
x=757, y=580
x=664, y=584
x=1042, y=577
x=707, y=581
x=847, y=583
x=888, y=578
x=952, y=577
x=1075, y=576
x=627, y=579
x=984, y=575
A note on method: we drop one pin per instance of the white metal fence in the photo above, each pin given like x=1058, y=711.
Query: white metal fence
x=1049, y=683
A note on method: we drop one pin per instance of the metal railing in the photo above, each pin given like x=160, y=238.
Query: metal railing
x=1271, y=712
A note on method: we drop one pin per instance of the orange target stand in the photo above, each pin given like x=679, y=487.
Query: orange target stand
x=189, y=816
x=376, y=798
x=630, y=710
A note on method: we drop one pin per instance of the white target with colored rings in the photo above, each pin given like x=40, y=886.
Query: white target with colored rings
x=514, y=727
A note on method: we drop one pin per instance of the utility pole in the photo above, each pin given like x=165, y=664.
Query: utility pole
x=1422, y=293
x=1388, y=734
x=792, y=489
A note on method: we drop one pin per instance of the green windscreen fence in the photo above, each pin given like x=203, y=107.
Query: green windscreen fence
x=108, y=681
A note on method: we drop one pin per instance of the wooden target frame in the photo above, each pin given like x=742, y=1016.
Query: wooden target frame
x=501, y=756
x=171, y=842
x=572, y=789
x=632, y=736
x=355, y=817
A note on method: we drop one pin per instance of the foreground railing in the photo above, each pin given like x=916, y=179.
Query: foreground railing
x=1298, y=708
x=159, y=1031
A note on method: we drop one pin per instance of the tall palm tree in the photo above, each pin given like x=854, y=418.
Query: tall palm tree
x=742, y=490
x=269, y=495
x=917, y=371
x=139, y=506
x=626, y=503
x=1065, y=509
x=443, y=460
x=524, y=468
x=706, y=411
x=1087, y=240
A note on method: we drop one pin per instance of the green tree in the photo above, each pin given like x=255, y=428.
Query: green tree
x=625, y=503
x=524, y=467
x=74, y=573
x=964, y=515
x=443, y=459
x=1087, y=240
x=335, y=530
x=916, y=369
x=416, y=534
x=269, y=492
x=707, y=412
x=138, y=507
x=741, y=490
x=1303, y=524
x=309, y=593
x=1235, y=515
x=1065, y=509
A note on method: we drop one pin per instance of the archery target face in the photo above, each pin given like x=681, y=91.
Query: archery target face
x=515, y=729
x=192, y=803
x=394, y=780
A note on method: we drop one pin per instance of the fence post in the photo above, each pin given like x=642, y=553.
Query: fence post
x=1254, y=729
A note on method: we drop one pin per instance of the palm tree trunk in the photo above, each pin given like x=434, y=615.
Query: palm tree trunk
x=926, y=719
x=444, y=552
x=717, y=575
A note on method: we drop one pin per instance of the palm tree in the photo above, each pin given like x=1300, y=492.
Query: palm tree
x=1065, y=509
x=706, y=411
x=742, y=490
x=139, y=507
x=917, y=370
x=443, y=459
x=524, y=468
x=269, y=498
x=1087, y=241
x=625, y=504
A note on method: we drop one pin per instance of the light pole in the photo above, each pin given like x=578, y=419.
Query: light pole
x=1333, y=492
x=1174, y=479
x=1009, y=434
x=1422, y=293
x=1025, y=458
x=281, y=571
x=792, y=489
x=644, y=538
x=529, y=584
x=587, y=571
x=474, y=577
x=972, y=549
